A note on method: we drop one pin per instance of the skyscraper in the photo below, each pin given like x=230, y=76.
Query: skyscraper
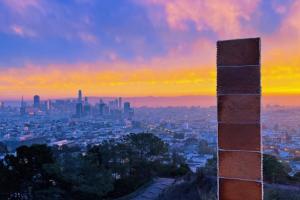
x=116, y=104
x=78, y=109
x=79, y=96
x=101, y=107
x=79, y=106
x=126, y=108
x=120, y=103
x=128, y=111
x=23, y=107
x=36, y=101
x=48, y=105
x=86, y=107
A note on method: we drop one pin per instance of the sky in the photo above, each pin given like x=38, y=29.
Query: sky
x=140, y=47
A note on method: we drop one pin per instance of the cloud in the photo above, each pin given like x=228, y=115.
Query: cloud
x=168, y=51
x=228, y=17
x=22, y=7
x=282, y=47
x=279, y=8
x=280, y=54
x=21, y=31
x=291, y=22
x=44, y=19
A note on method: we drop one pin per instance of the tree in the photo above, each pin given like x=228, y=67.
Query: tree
x=274, y=171
x=80, y=177
x=146, y=145
x=87, y=179
x=210, y=168
x=297, y=177
x=135, y=160
x=112, y=169
x=203, y=147
x=25, y=170
x=9, y=179
x=277, y=193
x=51, y=193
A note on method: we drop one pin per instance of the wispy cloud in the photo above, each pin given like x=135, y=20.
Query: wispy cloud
x=224, y=18
x=42, y=19
x=20, y=31
x=22, y=7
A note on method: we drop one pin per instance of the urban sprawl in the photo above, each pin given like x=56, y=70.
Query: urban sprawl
x=190, y=131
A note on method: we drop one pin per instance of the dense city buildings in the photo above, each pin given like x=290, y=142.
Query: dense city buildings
x=191, y=131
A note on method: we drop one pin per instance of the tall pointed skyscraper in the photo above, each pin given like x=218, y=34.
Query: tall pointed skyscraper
x=79, y=96
x=79, y=105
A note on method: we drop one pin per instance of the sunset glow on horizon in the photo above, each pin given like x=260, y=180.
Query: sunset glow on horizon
x=140, y=47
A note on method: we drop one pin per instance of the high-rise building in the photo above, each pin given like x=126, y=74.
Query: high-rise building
x=120, y=103
x=79, y=106
x=78, y=109
x=101, y=107
x=23, y=107
x=116, y=104
x=36, y=101
x=48, y=105
x=86, y=107
x=128, y=111
x=79, y=96
x=126, y=108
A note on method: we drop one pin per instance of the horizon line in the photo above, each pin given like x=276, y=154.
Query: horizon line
x=146, y=96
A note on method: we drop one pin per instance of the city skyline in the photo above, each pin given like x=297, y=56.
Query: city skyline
x=149, y=99
x=145, y=48
x=165, y=101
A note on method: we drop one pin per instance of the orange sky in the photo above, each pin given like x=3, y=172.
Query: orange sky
x=187, y=32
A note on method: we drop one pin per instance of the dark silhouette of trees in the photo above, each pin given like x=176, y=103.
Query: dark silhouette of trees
x=24, y=172
x=274, y=171
x=135, y=161
x=108, y=170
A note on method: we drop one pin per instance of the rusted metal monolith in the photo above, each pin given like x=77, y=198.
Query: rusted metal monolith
x=239, y=128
